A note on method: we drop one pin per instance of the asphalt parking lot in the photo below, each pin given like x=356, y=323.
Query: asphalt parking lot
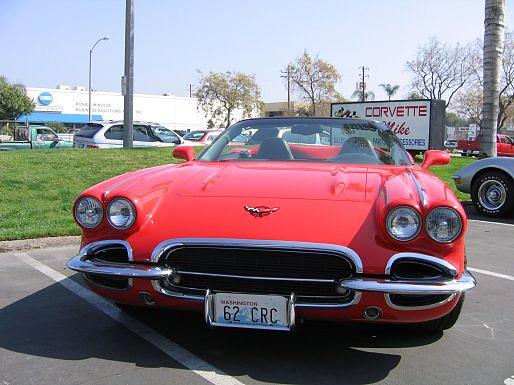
x=53, y=331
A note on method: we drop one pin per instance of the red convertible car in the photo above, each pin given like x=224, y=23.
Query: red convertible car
x=310, y=218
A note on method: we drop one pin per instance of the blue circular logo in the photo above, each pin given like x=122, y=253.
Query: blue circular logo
x=45, y=98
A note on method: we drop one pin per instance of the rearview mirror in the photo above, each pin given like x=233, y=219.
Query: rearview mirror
x=435, y=158
x=184, y=152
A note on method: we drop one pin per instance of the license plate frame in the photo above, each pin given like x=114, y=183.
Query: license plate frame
x=212, y=310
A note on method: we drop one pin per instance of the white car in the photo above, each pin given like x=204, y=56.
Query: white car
x=109, y=134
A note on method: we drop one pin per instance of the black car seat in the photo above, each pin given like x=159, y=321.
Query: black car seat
x=274, y=149
x=358, y=145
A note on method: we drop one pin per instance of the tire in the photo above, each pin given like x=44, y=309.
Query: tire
x=445, y=322
x=492, y=194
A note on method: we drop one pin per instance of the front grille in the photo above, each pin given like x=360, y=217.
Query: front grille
x=407, y=268
x=413, y=300
x=280, y=271
x=108, y=253
x=260, y=262
x=112, y=253
x=108, y=281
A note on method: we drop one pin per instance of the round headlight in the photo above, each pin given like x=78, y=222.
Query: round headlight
x=403, y=223
x=121, y=213
x=89, y=212
x=443, y=224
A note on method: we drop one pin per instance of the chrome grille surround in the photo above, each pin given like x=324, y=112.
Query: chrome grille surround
x=166, y=248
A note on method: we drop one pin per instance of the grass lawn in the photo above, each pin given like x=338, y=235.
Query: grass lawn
x=38, y=187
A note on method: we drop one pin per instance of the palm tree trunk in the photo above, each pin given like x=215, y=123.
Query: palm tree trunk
x=493, y=52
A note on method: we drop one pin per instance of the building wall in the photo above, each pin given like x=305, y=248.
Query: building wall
x=71, y=106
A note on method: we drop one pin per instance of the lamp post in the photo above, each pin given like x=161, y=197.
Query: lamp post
x=89, y=88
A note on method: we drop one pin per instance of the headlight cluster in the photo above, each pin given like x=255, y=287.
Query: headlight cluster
x=403, y=223
x=120, y=213
x=89, y=212
x=442, y=224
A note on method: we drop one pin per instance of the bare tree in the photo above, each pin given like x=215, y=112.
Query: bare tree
x=493, y=52
x=440, y=70
x=313, y=79
x=390, y=89
x=469, y=101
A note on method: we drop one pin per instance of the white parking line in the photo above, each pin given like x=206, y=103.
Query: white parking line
x=491, y=223
x=171, y=349
x=492, y=273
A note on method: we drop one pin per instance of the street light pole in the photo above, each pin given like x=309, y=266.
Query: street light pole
x=128, y=102
x=89, y=88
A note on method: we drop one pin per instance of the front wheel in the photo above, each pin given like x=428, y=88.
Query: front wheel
x=493, y=194
x=445, y=322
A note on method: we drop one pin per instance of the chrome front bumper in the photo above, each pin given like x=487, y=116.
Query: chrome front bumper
x=464, y=283
x=81, y=264
x=86, y=264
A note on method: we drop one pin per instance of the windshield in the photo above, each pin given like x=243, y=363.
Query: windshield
x=89, y=130
x=165, y=135
x=195, y=135
x=338, y=140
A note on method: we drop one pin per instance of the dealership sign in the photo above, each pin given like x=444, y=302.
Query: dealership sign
x=410, y=120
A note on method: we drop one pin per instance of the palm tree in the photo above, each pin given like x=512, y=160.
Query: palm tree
x=368, y=95
x=493, y=52
x=390, y=89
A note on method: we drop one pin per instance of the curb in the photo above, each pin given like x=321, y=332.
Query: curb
x=38, y=243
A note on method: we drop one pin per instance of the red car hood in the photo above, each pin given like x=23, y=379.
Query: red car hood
x=316, y=202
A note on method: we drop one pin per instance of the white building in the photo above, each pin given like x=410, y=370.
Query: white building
x=69, y=105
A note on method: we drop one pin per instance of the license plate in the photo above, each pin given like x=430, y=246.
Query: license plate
x=250, y=311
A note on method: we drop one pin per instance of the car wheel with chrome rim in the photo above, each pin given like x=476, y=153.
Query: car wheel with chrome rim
x=493, y=194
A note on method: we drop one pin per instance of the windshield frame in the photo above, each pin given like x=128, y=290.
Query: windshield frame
x=283, y=123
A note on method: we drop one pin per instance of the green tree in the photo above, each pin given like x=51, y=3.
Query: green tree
x=368, y=95
x=219, y=94
x=390, y=89
x=13, y=100
x=313, y=79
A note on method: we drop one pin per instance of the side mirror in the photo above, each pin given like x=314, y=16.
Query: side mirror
x=435, y=158
x=184, y=152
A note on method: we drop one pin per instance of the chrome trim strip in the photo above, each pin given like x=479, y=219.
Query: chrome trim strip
x=115, y=242
x=129, y=284
x=168, y=293
x=181, y=272
x=421, y=192
x=291, y=311
x=82, y=265
x=383, y=285
x=209, y=308
x=170, y=244
x=421, y=257
x=424, y=307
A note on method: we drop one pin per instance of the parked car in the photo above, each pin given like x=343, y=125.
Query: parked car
x=201, y=137
x=181, y=133
x=450, y=144
x=109, y=134
x=504, y=146
x=491, y=185
x=33, y=137
x=268, y=232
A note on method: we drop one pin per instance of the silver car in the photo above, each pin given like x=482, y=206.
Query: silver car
x=491, y=185
x=109, y=134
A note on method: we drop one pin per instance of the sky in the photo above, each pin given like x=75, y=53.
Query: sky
x=46, y=43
